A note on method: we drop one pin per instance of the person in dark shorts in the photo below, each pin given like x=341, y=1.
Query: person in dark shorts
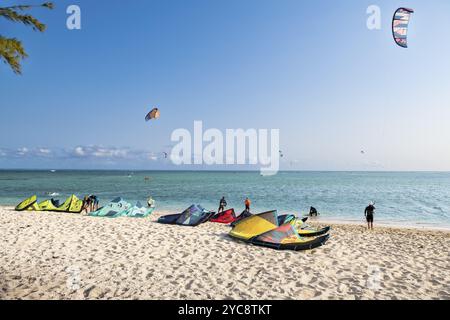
x=87, y=203
x=222, y=205
x=313, y=212
x=368, y=212
x=247, y=203
x=93, y=202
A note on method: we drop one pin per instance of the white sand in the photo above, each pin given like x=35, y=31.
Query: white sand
x=65, y=256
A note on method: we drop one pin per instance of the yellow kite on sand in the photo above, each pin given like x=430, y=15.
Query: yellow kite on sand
x=255, y=225
x=71, y=205
x=264, y=230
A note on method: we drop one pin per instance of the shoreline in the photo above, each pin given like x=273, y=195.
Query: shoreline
x=382, y=224
x=320, y=221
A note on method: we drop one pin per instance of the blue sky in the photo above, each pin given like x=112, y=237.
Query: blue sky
x=310, y=68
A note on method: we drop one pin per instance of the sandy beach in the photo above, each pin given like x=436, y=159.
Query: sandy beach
x=65, y=256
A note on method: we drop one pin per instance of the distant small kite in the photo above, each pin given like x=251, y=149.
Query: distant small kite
x=281, y=154
x=400, y=24
x=154, y=114
x=165, y=155
x=363, y=152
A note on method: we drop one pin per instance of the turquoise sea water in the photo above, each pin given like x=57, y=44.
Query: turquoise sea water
x=406, y=198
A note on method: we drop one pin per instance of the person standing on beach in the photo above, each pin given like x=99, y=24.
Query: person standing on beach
x=313, y=212
x=247, y=203
x=87, y=204
x=368, y=212
x=93, y=203
x=150, y=202
x=222, y=205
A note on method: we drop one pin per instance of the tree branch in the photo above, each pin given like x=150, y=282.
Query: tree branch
x=12, y=52
x=11, y=14
x=48, y=5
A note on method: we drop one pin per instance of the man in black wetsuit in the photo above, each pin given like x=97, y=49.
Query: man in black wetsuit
x=222, y=205
x=313, y=212
x=368, y=212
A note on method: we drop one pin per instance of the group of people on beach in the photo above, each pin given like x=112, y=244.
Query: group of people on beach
x=368, y=212
x=223, y=204
x=90, y=203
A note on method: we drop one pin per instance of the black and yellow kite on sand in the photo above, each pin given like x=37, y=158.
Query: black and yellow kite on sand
x=71, y=205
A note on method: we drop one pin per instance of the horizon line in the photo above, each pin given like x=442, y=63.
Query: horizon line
x=223, y=170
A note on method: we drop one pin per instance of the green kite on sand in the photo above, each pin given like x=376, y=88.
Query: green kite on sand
x=120, y=208
x=71, y=205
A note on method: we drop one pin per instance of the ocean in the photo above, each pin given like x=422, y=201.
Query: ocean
x=417, y=199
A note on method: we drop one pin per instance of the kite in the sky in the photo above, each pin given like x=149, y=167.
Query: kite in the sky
x=400, y=24
x=154, y=114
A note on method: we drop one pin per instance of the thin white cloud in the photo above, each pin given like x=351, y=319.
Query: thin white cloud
x=25, y=152
x=44, y=151
x=110, y=153
x=79, y=152
x=22, y=151
x=102, y=154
